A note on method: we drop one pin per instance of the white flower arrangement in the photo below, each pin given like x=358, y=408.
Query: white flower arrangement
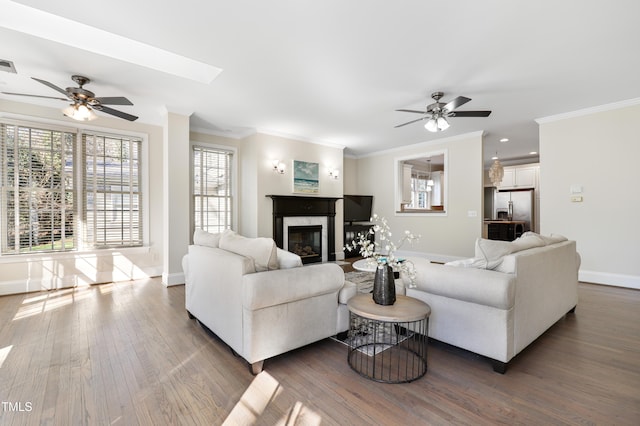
x=371, y=250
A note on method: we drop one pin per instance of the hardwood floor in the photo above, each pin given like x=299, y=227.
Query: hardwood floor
x=127, y=354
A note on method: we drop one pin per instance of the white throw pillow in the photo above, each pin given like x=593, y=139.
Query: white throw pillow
x=554, y=238
x=204, y=238
x=489, y=253
x=526, y=241
x=261, y=250
x=288, y=260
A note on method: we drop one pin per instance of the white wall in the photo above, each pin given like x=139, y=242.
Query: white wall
x=21, y=273
x=263, y=150
x=600, y=152
x=444, y=236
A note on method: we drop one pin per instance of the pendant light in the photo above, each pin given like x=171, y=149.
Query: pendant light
x=429, y=181
x=496, y=171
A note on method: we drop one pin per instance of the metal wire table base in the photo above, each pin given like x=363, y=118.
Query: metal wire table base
x=388, y=351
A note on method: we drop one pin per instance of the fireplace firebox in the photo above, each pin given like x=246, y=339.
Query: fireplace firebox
x=288, y=207
x=306, y=242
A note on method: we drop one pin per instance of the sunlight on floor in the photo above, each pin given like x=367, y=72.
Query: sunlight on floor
x=263, y=391
x=4, y=353
x=51, y=300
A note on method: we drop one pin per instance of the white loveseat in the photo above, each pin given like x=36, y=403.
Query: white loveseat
x=499, y=302
x=259, y=299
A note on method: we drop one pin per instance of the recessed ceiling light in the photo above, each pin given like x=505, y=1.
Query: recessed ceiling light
x=504, y=140
x=533, y=152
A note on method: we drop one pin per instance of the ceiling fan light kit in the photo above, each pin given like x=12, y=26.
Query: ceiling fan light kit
x=437, y=124
x=437, y=113
x=79, y=112
x=84, y=101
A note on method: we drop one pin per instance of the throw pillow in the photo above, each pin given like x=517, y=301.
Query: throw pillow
x=204, y=238
x=261, y=250
x=489, y=253
x=526, y=241
x=554, y=239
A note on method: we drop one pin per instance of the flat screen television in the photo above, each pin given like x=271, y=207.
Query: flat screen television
x=357, y=208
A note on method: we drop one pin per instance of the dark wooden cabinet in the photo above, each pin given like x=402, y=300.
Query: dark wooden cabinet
x=351, y=233
x=505, y=231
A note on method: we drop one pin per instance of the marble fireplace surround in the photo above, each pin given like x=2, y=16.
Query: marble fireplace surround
x=293, y=210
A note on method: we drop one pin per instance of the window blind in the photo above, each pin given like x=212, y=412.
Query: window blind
x=112, y=195
x=212, y=192
x=37, y=197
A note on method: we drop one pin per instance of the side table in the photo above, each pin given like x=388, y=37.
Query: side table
x=388, y=343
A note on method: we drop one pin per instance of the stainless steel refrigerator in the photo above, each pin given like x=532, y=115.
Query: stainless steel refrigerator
x=522, y=202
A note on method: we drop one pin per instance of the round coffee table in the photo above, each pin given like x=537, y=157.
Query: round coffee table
x=388, y=343
x=365, y=265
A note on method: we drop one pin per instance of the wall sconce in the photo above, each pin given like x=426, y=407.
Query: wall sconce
x=334, y=173
x=278, y=167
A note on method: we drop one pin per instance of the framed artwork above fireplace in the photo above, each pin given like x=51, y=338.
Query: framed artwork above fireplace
x=306, y=177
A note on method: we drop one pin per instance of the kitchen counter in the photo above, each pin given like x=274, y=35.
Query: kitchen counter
x=522, y=222
x=505, y=230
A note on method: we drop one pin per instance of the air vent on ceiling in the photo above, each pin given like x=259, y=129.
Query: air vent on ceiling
x=7, y=66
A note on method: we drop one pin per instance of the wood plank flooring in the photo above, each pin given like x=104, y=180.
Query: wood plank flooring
x=127, y=354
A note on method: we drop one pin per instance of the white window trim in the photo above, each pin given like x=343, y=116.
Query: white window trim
x=234, y=180
x=398, y=183
x=30, y=121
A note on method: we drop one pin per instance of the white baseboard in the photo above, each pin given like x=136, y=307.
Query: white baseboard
x=606, y=278
x=172, y=279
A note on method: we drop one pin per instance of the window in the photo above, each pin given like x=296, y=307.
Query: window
x=37, y=194
x=420, y=191
x=112, y=202
x=48, y=203
x=212, y=192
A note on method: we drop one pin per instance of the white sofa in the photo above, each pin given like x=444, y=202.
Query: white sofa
x=259, y=299
x=499, y=302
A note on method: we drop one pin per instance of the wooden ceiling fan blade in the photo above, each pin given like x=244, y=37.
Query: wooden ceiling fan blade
x=411, y=110
x=35, y=96
x=409, y=122
x=470, y=114
x=114, y=100
x=116, y=113
x=456, y=103
x=51, y=85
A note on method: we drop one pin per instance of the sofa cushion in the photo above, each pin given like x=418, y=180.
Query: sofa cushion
x=204, y=238
x=261, y=250
x=287, y=260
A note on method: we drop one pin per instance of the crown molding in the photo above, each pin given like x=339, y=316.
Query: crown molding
x=589, y=111
x=424, y=144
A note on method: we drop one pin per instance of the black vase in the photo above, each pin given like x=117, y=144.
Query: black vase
x=384, y=286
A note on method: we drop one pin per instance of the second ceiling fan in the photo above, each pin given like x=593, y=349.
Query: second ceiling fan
x=438, y=112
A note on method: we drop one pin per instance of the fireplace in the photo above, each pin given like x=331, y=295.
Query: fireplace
x=306, y=212
x=306, y=242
